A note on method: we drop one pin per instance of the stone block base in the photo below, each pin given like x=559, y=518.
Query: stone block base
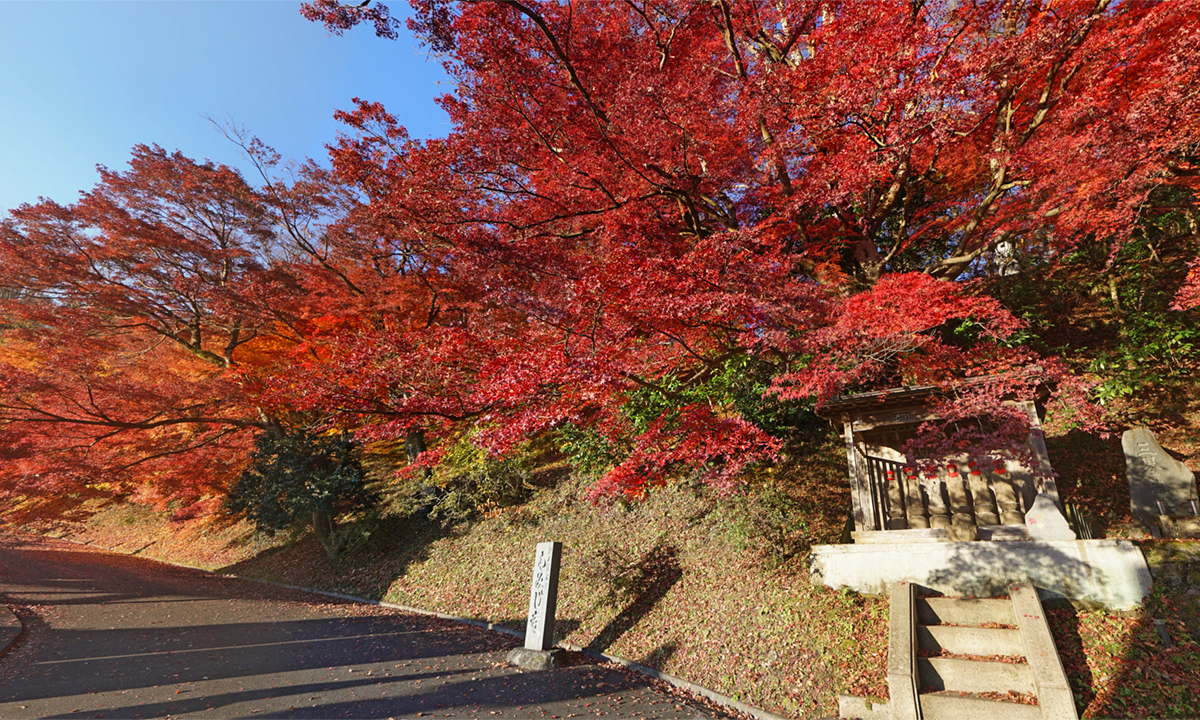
x=1089, y=573
x=527, y=659
x=1180, y=527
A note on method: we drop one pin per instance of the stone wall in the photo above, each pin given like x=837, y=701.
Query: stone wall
x=1175, y=566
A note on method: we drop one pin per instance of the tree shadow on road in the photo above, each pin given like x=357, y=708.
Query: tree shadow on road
x=585, y=687
x=366, y=570
x=118, y=636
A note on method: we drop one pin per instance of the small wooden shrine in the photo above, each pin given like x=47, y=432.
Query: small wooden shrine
x=893, y=502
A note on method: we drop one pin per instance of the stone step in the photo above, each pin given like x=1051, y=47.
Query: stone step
x=986, y=532
x=964, y=611
x=969, y=640
x=863, y=537
x=958, y=675
x=957, y=707
x=1003, y=532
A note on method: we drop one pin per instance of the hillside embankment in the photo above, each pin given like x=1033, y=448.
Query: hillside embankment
x=711, y=589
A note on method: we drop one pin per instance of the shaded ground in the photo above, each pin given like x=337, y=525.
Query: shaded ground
x=109, y=635
x=712, y=590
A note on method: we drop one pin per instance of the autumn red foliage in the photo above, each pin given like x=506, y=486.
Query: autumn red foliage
x=123, y=314
x=807, y=182
x=633, y=195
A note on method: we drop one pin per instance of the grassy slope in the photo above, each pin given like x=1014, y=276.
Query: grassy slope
x=698, y=587
x=684, y=582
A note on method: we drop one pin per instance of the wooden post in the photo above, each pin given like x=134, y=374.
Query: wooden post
x=860, y=486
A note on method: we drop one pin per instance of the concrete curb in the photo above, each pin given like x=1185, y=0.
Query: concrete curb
x=1050, y=682
x=10, y=628
x=678, y=682
x=903, y=684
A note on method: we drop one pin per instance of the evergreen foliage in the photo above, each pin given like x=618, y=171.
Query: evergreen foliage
x=294, y=474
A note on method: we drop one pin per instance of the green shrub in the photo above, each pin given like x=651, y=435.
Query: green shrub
x=738, y=384
x=298, y=476
x=470, y=480
x=1155, y=344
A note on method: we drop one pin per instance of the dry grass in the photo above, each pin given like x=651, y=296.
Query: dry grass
x=714, y=590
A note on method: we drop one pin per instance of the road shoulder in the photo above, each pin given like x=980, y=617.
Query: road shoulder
x=10, y=628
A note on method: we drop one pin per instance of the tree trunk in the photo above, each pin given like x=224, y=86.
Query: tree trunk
x=322, y=521
x=414, y=445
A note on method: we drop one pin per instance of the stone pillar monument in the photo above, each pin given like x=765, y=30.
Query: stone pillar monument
x=1162, y=490
x=539, y=652
x=1154, y=477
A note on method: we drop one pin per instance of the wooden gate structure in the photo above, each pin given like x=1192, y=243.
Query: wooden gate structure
x=892, y=502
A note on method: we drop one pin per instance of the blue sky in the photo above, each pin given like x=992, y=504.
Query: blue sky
x=83, y=82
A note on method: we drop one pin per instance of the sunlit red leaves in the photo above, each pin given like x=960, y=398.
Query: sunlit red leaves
x=1188, y=296
x=131, y=305
x=953, y=124
x=644, y=221
x=696, y=437
x=162, y=246
x=1129, y=124
x=891, y=329
x=782, y=179
x=116, y=410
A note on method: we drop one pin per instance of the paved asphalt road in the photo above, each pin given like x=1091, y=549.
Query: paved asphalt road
x=113, y=636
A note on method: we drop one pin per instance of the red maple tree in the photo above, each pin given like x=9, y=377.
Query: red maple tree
x=125, y=313
x=647, y=189
x=634, y=198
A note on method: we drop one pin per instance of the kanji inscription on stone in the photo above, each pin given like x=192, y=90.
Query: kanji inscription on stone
x=539, y=629
x=1154, y=477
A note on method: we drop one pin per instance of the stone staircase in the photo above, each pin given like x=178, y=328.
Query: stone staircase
x=969, y=658
x=956, y=635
